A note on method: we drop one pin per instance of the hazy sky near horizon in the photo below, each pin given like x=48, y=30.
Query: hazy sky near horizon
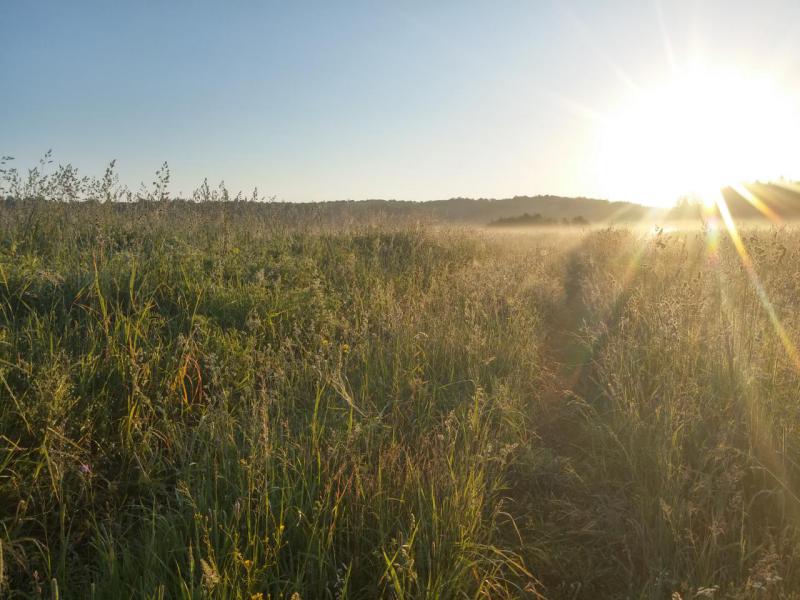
x=332, y=100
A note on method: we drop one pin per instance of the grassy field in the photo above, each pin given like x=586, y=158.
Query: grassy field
x=212, y=400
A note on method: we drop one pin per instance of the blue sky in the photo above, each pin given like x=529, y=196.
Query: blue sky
x=331, y=100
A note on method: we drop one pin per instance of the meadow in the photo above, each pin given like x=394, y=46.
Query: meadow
x=227, y=400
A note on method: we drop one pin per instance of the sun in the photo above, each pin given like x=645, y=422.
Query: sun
x=694, y=134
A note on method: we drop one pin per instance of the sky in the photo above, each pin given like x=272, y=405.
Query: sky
x=351, y=100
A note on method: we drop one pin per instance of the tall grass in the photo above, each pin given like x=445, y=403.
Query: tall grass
x=215, y=400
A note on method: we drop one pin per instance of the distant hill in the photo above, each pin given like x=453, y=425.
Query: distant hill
x=483, y=210
x=781, y=200
x=468, y=211
x=752, y=201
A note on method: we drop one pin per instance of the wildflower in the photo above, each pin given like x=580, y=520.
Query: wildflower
x=85, y=469
x=247, y=564
x=257, y=596
x=345, y=348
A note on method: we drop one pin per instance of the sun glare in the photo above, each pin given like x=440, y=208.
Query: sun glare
x=696, y=134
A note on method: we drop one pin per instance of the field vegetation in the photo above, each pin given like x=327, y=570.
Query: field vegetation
x=231, y=400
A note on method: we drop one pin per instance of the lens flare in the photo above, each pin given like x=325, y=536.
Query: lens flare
x=701, y=131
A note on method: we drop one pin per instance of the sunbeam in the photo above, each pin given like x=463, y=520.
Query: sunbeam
x=749, y=266
x=757, y=203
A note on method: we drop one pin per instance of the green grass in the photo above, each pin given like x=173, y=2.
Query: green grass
x=216, y=400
